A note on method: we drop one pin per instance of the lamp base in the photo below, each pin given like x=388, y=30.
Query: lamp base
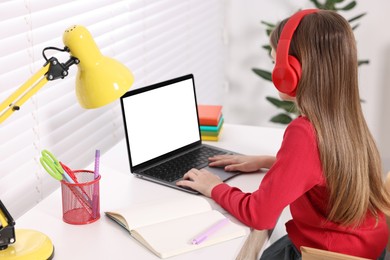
x=30, y=244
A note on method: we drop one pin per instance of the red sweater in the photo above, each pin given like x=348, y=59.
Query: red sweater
x=296, y=179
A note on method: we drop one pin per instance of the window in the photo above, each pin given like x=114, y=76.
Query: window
x=157, y=40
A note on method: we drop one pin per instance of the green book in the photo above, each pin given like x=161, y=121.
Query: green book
x=209, y=133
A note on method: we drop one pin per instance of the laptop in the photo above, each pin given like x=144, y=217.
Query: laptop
x=163, y=135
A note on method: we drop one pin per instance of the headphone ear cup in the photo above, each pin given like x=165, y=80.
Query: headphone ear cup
x=297, y=68
x=296, y=65
x=286, y=78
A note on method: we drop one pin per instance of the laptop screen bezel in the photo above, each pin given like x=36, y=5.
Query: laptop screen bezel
x=146, y=164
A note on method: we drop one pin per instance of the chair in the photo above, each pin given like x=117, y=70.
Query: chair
x=253, y=244
x=309, y=253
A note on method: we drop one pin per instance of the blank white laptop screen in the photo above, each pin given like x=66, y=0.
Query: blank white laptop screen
x=161, y=120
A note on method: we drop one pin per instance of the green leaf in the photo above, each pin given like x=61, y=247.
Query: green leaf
x=348, y=6
x=268, y=48
x=329, y=6
x=361, y=62
x=281, y=119
x=263, y=73
x=276, y=102
x=356, y=17
x=270, y=25
x=269, y=31
x=355, y=26
x=316, y=3
x=287, y=106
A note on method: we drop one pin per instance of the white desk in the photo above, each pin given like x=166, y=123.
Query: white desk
x=105, y=239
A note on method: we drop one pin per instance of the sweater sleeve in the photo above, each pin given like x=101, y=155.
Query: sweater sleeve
x=296, y=170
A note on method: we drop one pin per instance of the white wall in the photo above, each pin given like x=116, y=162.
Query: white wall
x=245, y=102
x=373, y=38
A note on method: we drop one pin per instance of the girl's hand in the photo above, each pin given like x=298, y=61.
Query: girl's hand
x=242, y=163
x=200, y=180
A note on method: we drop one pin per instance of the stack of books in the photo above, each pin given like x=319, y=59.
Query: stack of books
x=211, y=121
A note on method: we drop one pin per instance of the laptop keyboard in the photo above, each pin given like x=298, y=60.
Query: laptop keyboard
x=174, y=169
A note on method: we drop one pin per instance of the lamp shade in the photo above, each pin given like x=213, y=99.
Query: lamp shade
x=100, y=80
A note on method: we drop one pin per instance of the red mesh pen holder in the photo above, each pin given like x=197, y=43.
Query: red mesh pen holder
x=81, y=200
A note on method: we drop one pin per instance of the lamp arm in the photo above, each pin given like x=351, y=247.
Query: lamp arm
x=7, y=230
x=52, y=70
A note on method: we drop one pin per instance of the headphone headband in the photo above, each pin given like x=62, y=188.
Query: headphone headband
x=287, y=70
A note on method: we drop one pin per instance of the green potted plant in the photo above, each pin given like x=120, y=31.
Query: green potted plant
x=289, y=111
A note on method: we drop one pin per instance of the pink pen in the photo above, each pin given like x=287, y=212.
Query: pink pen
x=95, y=196
x=202, y=237
x=97, y=159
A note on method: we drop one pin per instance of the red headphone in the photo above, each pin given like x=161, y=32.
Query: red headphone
x=288, y=70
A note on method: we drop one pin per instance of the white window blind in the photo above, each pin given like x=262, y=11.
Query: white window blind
x=157, y=40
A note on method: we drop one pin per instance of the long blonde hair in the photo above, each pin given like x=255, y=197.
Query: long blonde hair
x=328, y=96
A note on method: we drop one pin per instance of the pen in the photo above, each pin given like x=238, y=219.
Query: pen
x=202, y=237
x=97, y=159
x=95, y=197
x=74, y=181
x=69, y=172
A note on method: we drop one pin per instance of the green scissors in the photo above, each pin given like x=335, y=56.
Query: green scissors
x=53, y=166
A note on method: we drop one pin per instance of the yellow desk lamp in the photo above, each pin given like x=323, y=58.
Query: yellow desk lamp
x=99, y=81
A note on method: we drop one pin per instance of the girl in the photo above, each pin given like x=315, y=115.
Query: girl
x=328, y=169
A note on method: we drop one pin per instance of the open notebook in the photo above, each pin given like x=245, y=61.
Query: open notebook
x=167, y=227
x=163, y=134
